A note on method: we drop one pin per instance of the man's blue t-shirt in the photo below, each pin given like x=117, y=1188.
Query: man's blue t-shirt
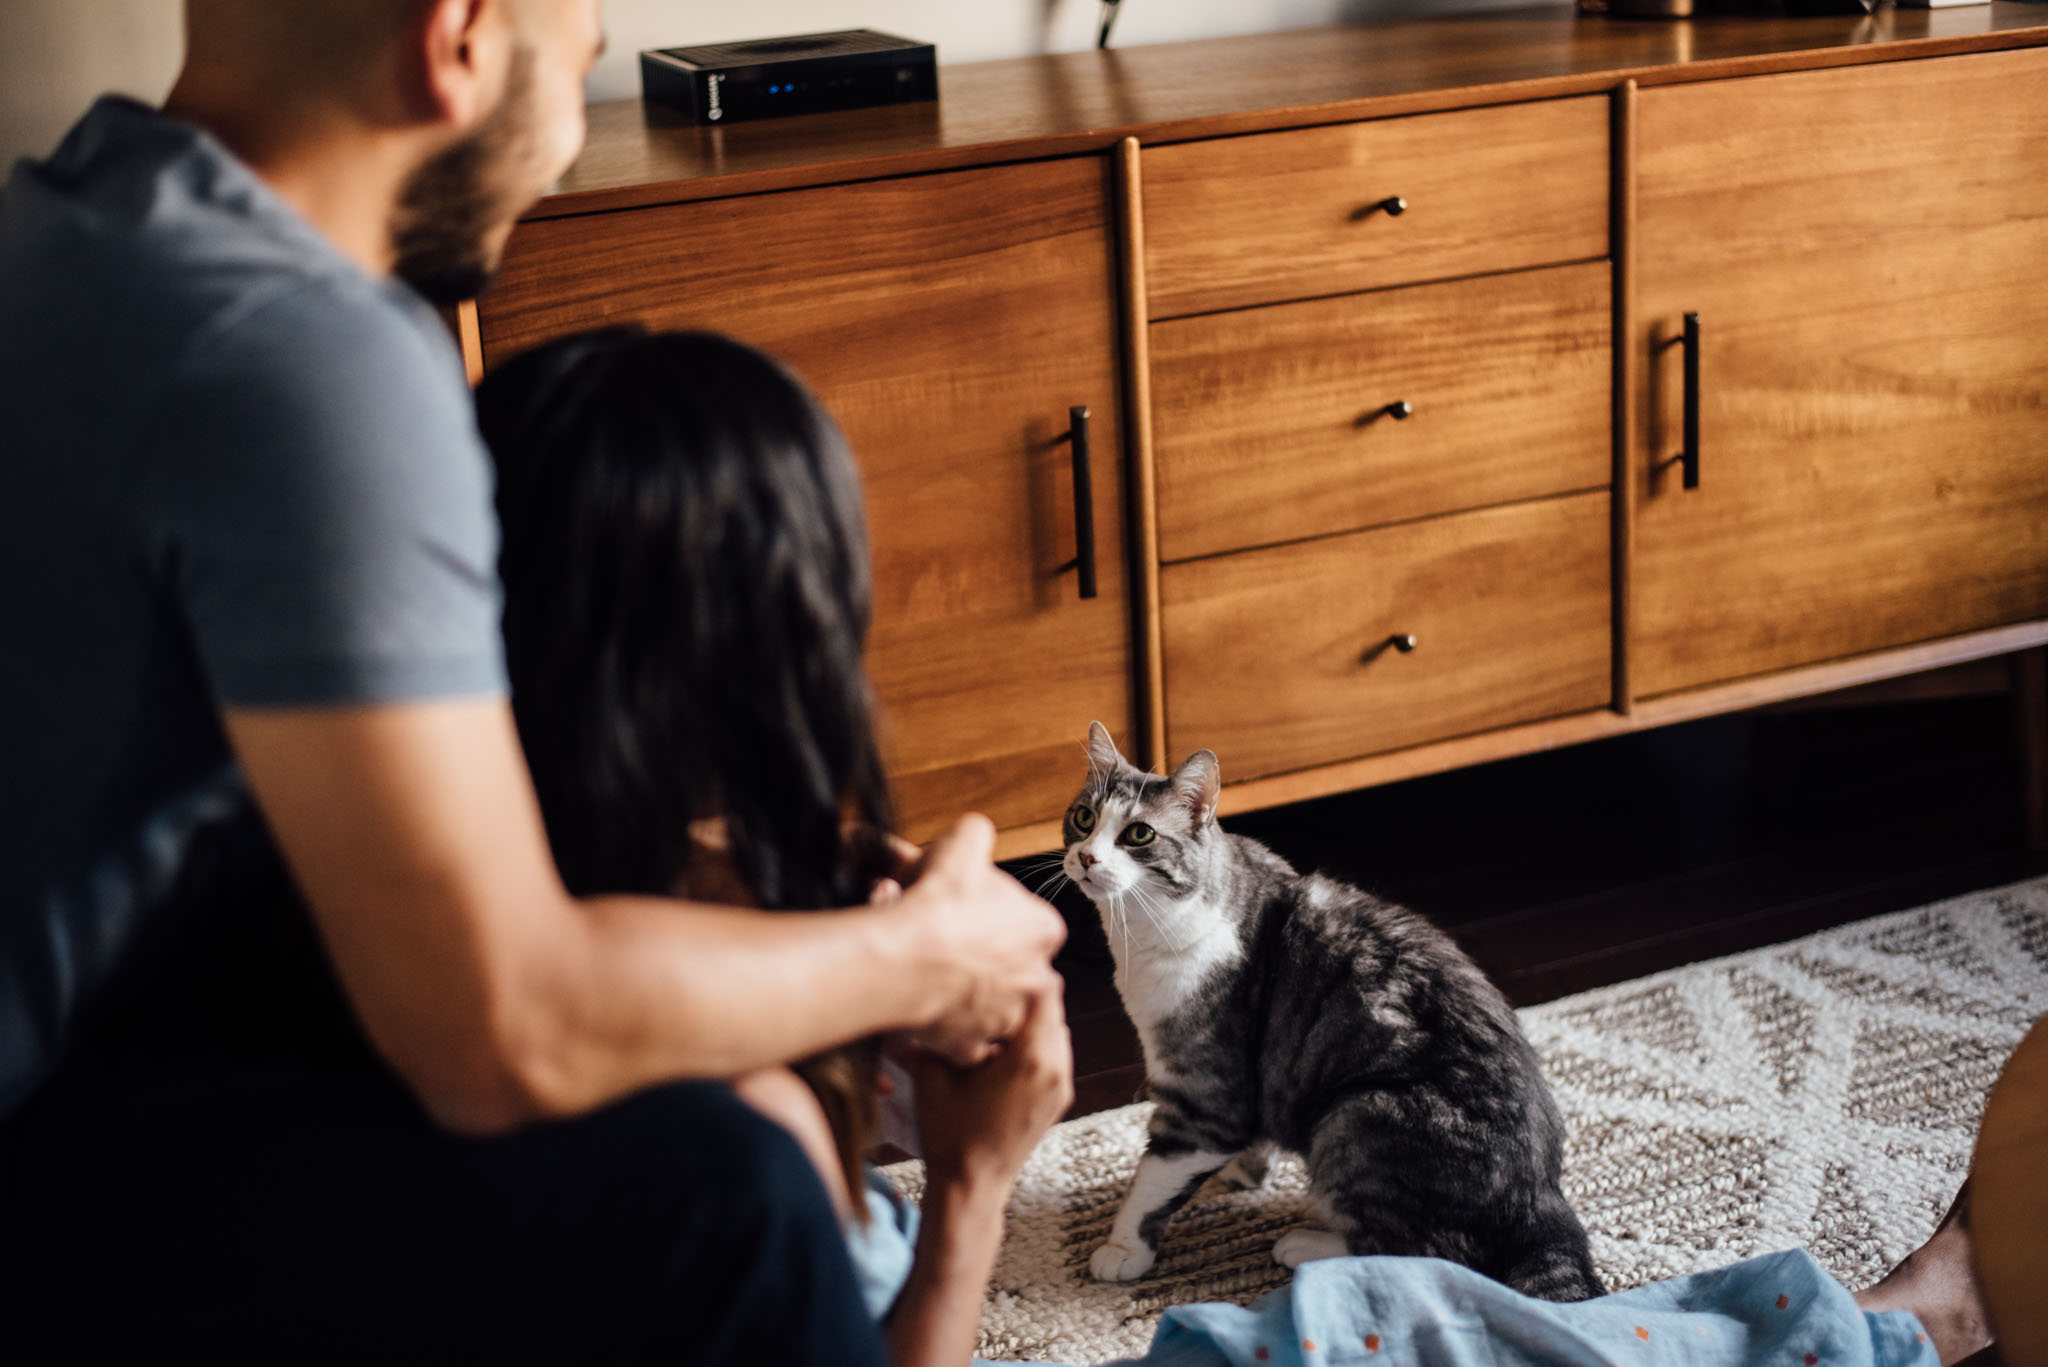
x=235, y=472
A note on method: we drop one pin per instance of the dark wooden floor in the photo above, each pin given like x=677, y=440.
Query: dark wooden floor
x=1569, y=870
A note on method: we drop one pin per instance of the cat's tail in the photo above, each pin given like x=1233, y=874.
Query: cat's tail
x=1554, y=1261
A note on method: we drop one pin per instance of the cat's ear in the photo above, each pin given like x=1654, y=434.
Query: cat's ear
x=1197, y=784
x=1103, y=756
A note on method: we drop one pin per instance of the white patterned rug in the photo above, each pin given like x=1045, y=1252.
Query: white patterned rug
x=1821, y=1094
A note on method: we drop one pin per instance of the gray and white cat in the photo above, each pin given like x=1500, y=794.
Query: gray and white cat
x=1299, y=1013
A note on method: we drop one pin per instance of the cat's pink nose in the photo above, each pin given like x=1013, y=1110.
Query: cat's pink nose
x=1088, y=861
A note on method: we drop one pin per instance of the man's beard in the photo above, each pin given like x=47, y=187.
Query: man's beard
x=455, y=203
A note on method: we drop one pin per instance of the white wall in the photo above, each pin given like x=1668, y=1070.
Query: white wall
x=55, y=55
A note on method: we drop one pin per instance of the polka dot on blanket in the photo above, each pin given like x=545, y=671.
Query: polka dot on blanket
x=1821, y=1094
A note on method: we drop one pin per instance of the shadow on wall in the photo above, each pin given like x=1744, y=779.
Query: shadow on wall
x=57, y=56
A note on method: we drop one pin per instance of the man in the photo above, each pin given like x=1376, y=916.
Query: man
x=393, y=1093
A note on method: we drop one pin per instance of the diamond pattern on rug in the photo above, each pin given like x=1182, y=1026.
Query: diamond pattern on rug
x=2023, y=917
x=1631, y=1181
x=1908, y=1076
x=1842, y=1233
x=1567, y=1069
x=1781, y=1024
x=1655, y=1014
x=1936, y=940
x=1820, y=1094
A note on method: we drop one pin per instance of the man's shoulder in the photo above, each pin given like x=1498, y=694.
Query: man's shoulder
x=144, y=244
x=334, y=332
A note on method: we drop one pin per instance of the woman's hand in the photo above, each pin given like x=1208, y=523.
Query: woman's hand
x=978, y=1125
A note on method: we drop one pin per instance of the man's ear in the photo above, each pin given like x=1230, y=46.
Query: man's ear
x=1197, y=784
x=1103, y=756
x=461, y=59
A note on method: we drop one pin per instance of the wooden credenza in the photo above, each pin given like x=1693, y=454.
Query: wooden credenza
x=1381, y=337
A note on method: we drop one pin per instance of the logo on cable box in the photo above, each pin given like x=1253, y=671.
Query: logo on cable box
x=714, y=80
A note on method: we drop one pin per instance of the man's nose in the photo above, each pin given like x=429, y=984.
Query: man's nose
x=1088, y=861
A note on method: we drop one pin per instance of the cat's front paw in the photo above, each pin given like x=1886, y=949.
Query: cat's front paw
x=1115, y=1262
x=1298, y=1246
x=1244, y=1173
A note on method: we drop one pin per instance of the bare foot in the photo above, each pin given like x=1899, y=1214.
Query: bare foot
x=1938, y=1283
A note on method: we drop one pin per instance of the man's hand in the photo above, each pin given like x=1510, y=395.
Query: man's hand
x=982, y=935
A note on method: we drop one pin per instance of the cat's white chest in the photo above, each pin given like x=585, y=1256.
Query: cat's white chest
x=1156, y=979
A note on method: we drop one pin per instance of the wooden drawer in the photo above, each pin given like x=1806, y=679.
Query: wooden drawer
x=1280, y=659
x=1274, y=216
x=1273, y=424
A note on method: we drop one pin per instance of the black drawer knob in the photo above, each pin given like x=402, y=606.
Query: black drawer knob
x=1404, y=642
x=1393, y=206
x=1399, y=410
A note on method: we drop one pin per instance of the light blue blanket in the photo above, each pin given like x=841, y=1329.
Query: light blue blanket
x=1778, y=1310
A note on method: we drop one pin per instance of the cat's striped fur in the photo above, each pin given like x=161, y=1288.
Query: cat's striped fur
x=1278, y=1010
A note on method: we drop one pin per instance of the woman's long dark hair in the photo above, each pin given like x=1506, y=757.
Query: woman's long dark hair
x=686, y=598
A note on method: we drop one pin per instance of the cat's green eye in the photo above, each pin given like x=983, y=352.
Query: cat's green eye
x=1136, y=834
x=1083, y=817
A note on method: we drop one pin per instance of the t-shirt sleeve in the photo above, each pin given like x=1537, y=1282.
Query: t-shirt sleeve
x=318, y=503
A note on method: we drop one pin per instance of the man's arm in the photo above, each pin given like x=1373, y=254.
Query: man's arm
x=414, y=834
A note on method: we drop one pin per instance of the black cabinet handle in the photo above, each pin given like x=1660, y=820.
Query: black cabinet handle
x=1689, y=457
x=1393, y=206
x=1084, y=502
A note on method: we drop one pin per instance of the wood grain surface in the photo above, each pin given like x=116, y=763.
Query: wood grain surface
x=1270, y=423
x=1279, y=659
x=1277, y=216
x=1089, y=101
x=1435, y=757
x=949, y=323
x=1151, y=696
x=1627, y=386
x=1862, y=247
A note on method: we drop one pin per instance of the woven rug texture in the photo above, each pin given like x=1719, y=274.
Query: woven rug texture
x=1820, y=1094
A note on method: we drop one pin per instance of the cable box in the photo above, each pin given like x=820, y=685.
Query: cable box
x=811, y=73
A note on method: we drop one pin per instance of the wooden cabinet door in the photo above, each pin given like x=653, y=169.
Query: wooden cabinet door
x=949, y=322
x=1865, y=249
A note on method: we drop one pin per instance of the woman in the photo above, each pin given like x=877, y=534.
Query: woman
x=687, y=594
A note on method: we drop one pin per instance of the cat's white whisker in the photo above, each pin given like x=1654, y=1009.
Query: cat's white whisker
x=1116, y=902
